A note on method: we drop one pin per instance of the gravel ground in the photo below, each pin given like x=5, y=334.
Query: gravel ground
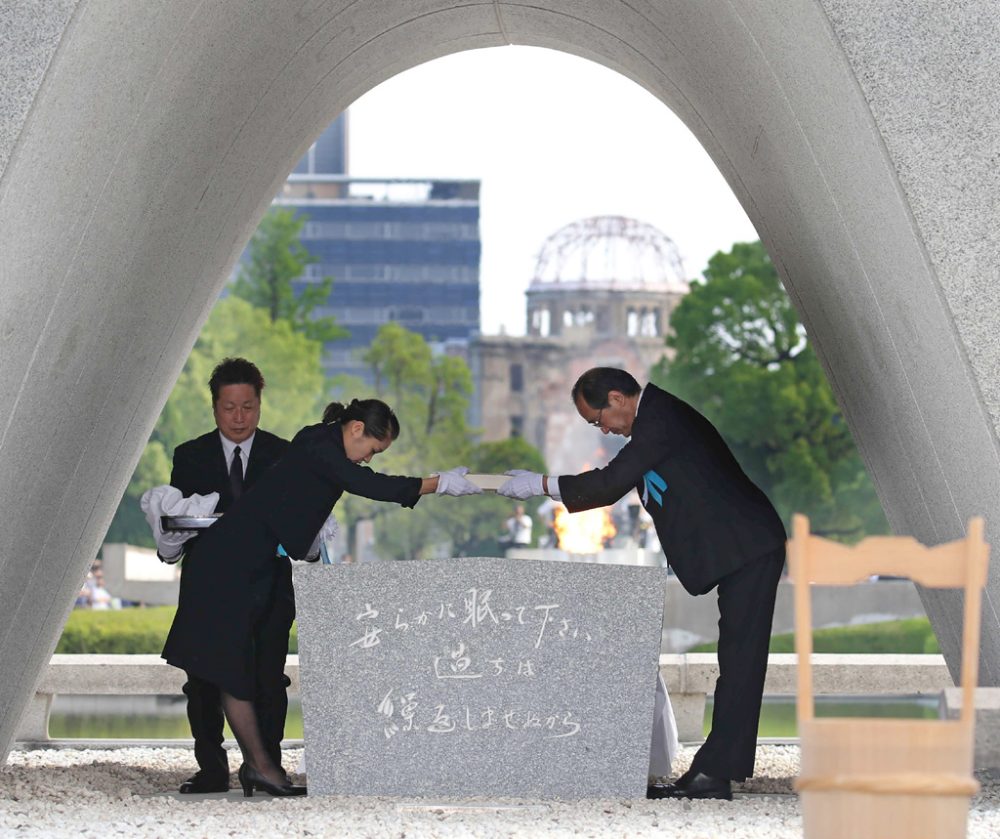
x=131, y=792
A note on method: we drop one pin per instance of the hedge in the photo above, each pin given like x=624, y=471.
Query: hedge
x=133, y=631
x=144, y=631
x=913, y=635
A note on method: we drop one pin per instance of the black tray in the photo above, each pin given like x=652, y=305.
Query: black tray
x=168, y=523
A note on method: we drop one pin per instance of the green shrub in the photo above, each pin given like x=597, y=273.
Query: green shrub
x=132, y=631
x=913, y=635
x=116, y=631
x=144, y=630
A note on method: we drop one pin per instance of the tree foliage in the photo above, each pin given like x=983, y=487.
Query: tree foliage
x=430, y=395
x=293, y=397
x=743, y=359
x=276, y=259
x=265, y=320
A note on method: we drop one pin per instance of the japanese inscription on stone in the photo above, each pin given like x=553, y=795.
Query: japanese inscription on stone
x=478, y=676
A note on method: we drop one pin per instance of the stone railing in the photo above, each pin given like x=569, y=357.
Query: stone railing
x=690, y=678
x=107, y=675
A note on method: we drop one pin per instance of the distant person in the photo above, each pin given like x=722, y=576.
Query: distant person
x=229, y=460
x=547, y=513
x=83, y=595
x=93, y=594
x=214, y=639
x=100, y=597
x=718, y=531
x=517, y=529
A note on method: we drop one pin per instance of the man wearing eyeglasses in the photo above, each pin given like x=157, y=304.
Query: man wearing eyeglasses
x=717, y=529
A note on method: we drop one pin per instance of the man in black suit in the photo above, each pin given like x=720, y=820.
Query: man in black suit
x=228, y=460
x=717, y=529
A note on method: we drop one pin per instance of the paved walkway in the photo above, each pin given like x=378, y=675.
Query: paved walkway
x=131, y=792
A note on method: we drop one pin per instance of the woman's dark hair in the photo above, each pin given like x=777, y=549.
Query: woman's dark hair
x=595, y=385
x=380, y=422
x=235, y=371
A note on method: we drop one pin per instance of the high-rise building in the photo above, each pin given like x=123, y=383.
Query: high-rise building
x=398, y=249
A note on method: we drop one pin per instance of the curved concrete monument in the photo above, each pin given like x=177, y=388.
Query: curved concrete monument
x=140, y=144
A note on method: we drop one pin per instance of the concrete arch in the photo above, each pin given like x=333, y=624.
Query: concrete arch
x=140, y=145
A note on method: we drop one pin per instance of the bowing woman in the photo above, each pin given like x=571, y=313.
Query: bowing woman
x=212, y=636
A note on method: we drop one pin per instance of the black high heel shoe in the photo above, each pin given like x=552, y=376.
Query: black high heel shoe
x=251, y=779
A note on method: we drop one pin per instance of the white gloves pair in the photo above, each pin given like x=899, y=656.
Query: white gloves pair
x=453, y=482
x=523, y=484
x=166, y=500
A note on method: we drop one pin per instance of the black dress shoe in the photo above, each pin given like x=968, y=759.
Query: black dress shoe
x=251, y=779
x=693, y=786
x=200, y=783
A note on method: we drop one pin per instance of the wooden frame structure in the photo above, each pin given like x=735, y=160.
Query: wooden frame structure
x=886, y=778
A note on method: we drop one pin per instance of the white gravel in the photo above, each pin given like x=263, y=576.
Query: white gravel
x=132, y=792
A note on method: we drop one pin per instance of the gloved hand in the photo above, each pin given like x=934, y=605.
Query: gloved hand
x=170, y=544
x=453, y=482
x=166, y=500
x=326, y=534
x=523, y=484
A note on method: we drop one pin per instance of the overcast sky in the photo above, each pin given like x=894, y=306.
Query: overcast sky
x=554, y=139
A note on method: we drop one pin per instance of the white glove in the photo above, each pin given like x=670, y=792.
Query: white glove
x=523, y=484
x=166, y=500
x=327, y=533
x=453, y=482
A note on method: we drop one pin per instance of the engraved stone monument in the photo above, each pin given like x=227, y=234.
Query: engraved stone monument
x=472, y=677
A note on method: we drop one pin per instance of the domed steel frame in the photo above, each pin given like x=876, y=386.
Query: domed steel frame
x=611, y=251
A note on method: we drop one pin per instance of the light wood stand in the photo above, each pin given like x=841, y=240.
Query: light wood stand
x=886, y=778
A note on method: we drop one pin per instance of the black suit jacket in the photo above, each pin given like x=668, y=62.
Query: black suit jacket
x=212, y=635
x=710, y=517
x=300, y=492
x=200, y=467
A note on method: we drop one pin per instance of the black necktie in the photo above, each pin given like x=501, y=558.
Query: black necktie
x=236, y=474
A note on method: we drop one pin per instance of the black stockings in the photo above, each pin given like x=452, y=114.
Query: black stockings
x=242, y=719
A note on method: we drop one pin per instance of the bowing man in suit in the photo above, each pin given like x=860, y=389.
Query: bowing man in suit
x=229, y=460
x=717, y=529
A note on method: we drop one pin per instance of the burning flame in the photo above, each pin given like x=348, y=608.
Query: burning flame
x=585, y=532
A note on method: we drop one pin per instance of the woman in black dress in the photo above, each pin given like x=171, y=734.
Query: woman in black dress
x=212, y=637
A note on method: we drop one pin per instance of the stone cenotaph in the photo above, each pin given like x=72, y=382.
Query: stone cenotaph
x=478, y=677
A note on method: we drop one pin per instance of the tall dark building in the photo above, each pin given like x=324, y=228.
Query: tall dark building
x=400, y=249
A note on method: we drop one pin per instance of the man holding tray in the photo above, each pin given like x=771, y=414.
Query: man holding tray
x=228, y=460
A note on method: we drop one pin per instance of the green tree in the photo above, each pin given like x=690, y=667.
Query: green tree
x=293, y=397
x=478, y=533
x=498, y=456
x=743, y=358
x=129, y=524
x=430, y=395
x=277, y=258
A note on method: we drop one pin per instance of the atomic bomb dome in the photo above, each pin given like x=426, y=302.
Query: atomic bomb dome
x=602, y=294
x=610, y=252
x=605, y=275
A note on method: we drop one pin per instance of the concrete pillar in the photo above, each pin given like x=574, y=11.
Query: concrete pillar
x=140, y=144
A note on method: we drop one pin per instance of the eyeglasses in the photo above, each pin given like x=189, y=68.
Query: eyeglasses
x=597, y=422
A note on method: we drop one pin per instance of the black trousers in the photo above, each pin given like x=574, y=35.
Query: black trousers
x=746, y=610
x=204, y=713
x=204, y=701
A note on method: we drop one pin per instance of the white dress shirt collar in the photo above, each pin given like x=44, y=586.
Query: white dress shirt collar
x=637, y=404
x=228, y=446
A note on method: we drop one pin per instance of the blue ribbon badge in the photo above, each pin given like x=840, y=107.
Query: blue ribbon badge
x=653, y=485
